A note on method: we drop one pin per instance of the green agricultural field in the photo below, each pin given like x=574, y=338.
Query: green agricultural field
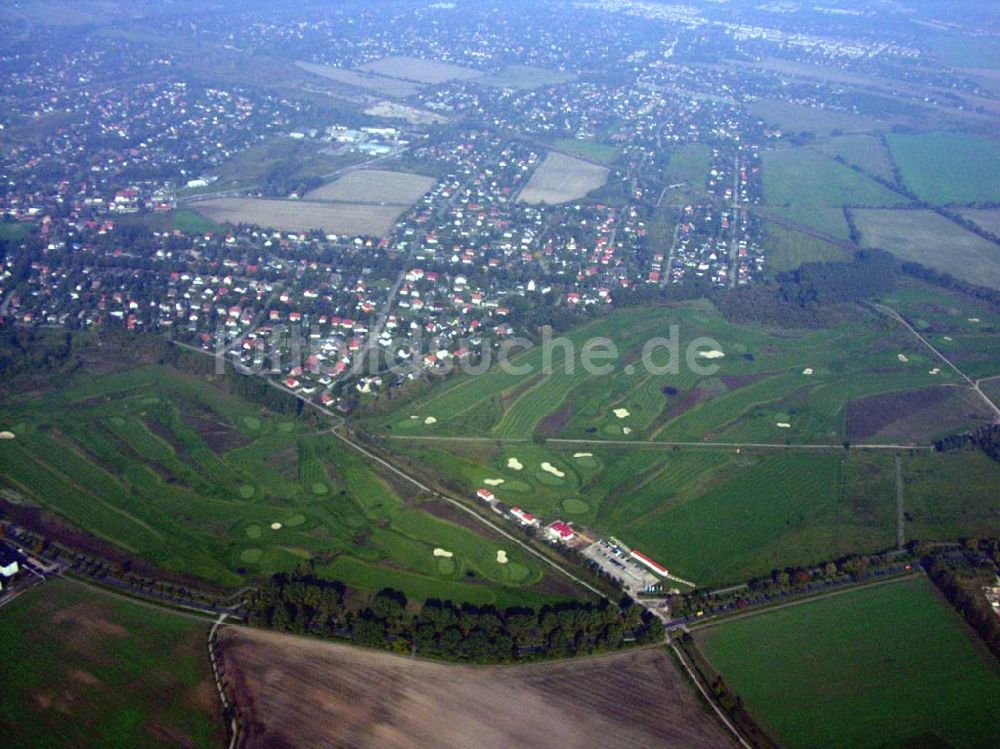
x=172, y=469
x=951, y=495
x=787, y=249
x=689, y=163
x=95, y=670
x=948, y=167
x=191, y=222
x=932, y=240
x=587, y=149
x=811, y=187
x=806, y=672
x=865, y=151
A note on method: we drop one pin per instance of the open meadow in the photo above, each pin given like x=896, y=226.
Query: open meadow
x=930, y=239
x=806, y=672
x=947, y=168
x=865, y=151
x=171, y=469
x=297, y=692
x=810, y=188
x=788, y=249
x=89, y=670
x=561, y=178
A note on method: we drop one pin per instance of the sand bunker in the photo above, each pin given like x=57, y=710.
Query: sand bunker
x=973, y=319
x=626, y=430
x=713, y=354
x=439, y=552
x=430, y=420
x=514, y=463
x=583, y=455
x=783, y=425
x=275, y=526
x=492, y=482
x=807, y=371
x=549, y=468
x=902, y=357
x=501, y=556
x=621, y=413
x=6, y=435
x=936, y=370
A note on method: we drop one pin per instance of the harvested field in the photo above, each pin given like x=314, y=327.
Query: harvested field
x=561, y=178
x=368, y=81
x=915, y=414
x=302, y=215
x=416, y=69
x=394, y=110
x=297, y=692
x=374, y=186
x=928, y=238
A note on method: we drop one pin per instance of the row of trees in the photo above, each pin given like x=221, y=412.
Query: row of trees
x=805, y=297
x=782, y=582
x=961, y=578
x=305, y=604
x=986, y=438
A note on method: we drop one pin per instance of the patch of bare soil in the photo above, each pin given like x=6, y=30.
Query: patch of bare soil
x=296, y=692
x=555, y=422
x=914, y=414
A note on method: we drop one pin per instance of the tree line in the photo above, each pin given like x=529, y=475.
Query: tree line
x=986, y=438
x=304, y=604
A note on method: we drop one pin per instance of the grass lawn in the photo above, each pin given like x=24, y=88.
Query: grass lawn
x=95, y=670
x=948, y=167
x=885, y=666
